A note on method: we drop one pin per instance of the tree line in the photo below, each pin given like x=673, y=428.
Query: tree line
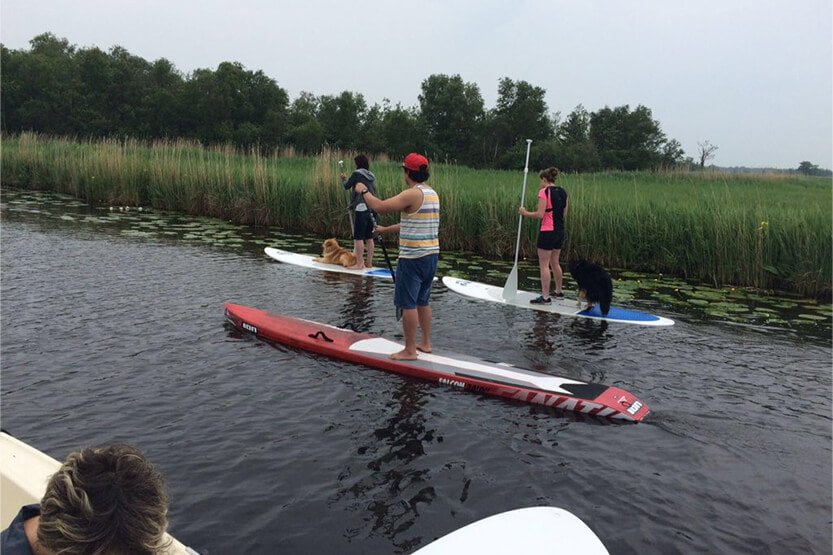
x=56, y=88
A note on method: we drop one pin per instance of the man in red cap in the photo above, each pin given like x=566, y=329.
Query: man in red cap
x=419, y=249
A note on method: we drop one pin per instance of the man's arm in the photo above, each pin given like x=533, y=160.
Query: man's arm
x=406, y=201
x=388, y=228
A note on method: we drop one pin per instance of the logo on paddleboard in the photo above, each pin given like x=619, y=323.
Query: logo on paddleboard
x=453, y=383
x=249, y=327
x=634, y=408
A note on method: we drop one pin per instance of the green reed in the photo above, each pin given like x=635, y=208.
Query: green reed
x=764, y=231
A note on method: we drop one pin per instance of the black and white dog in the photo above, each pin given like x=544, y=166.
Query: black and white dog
x=594, y=284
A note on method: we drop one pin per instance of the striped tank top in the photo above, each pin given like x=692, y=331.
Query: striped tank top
x=419, y=231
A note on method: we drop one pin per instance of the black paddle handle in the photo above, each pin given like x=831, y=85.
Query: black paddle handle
x=381, y=243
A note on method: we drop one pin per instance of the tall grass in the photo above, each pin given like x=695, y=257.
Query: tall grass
x=769, y=232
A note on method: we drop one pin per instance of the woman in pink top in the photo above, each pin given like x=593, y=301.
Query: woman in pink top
x=552, y=209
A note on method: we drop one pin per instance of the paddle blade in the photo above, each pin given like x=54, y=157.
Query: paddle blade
x=510, y=289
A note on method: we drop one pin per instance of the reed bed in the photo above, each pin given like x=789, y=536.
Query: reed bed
x=767, y=232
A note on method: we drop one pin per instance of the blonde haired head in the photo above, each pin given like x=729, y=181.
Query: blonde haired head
x=104, y=500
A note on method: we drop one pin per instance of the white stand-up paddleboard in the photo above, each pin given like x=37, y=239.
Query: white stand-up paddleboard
x=530, y=530
x=565, y=307
x=24, y=474
x=307, y=261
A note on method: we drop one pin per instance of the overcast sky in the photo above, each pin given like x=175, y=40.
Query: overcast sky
x=754, y=77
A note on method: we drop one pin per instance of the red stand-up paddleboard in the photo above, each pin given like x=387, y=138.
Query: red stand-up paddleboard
x=473, y=374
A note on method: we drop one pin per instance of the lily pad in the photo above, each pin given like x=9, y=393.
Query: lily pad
x=718, y=313
x=730, y=307
x=708, y=294
x=814, y=317
x=137, y=233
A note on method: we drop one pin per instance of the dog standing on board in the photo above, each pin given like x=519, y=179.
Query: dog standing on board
x=336, y=254
x=594, y=285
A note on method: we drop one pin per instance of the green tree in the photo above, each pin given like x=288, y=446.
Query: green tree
x=303, y=109
x=162, y=106
x=576, y=128
x=95, y=75
x=576, y=152
x=403, y=131
x=341, y=117
x=625, y=139
x=307, y=137
x=233, y=104
x=126, y=93
x=305, y=133
x=371, y=138
x=672, y=154
x=40, y=87
x=451, y=110
x=11, y=95
x=520, y=113
x=808, y=168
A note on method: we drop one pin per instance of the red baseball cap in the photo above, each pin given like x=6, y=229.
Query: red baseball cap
x=413, y=161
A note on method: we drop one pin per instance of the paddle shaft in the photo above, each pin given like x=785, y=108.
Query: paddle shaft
x=523, y=195
x=349, y=196
x=387, y=258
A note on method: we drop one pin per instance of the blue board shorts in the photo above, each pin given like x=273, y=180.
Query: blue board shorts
x=414, y=278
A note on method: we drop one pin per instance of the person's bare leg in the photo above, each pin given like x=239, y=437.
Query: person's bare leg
x=544, y=268
x=424, y=314
x=410, y=322
x=358, y=250
x=558, y=273
x=370, y=248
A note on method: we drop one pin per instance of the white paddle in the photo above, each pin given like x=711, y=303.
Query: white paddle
x=510, y=290
x=349, y=196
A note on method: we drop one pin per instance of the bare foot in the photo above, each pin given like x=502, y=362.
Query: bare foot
x=356, y=267
x=404, y=355
x=424, y=348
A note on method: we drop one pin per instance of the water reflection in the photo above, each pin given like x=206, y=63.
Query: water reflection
x=396, y=488
x=550, y=332
x=542, y=336
x=590, y=333
x=357, y=309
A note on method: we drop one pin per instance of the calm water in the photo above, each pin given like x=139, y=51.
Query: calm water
x=113, y=329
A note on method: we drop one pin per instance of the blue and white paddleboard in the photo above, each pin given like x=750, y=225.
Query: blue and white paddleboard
x=529, y=530
x=564, y=307
x=309, y=262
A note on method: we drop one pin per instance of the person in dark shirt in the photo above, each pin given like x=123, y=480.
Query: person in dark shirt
x=362, y=220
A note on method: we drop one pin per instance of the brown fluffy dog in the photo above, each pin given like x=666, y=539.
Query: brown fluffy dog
x=336, y=254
